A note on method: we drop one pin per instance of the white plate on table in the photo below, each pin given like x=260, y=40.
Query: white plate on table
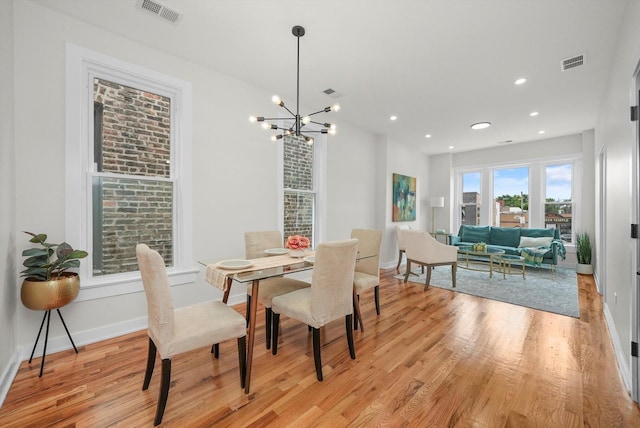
x=234, y=264
x=310, y=259
x=276, y=251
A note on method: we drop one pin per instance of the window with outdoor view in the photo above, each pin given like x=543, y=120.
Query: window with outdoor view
x=298, y=186
x=511, y=197
x=131, y=179
x=128, y=178
x=558, y=207
x=470, y=209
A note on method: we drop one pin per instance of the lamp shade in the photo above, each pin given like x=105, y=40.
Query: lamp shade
x=437, y=201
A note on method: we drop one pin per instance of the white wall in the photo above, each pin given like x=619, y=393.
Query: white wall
x=614, y=133
x=234, y=169
x=8, y=256
x=401, y=159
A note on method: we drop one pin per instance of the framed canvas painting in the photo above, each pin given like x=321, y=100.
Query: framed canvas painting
x=404, y=198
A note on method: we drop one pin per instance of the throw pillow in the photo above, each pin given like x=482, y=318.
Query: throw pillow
x=526, y=241
x=475, y=233
x=504, y=236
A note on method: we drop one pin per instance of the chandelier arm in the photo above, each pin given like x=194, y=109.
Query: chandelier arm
x=324, y=110
x=290, y=112
x=318, y=123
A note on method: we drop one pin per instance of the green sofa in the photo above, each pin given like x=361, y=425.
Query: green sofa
x=537, y=246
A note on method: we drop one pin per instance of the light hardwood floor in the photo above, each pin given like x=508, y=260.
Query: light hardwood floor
x=431, y=359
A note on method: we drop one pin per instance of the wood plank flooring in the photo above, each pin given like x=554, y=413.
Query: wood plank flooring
x=431, y=359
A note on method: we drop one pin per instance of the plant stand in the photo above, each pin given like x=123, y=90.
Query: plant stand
x=47, y=316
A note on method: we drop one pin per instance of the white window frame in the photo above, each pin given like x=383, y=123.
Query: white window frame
x=82, y=65
x=319, y=187
x=537, y=190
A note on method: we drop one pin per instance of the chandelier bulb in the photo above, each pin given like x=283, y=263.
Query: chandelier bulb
x=306, y=120
x=332, y=126
x=253, y=119
x=335, y=107
x=277, y=101
x=265, y=125
x=332, y=132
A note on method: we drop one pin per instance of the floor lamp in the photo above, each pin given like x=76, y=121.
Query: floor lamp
x=435, y=202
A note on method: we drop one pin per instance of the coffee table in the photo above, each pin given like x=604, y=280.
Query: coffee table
x=505, y=266
x=475, y=260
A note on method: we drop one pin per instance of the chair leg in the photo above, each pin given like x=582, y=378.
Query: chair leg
x=215, y=350
x=151, y=361
x=376, y=293
x=428, y=281
x=406, y=274
x=355, y=319
x=248, y=313
x=399, y=260
x=352, y=348
x=164, y=390
x=242, y=359
x=268, y=318
x=316, y=351
x=276, y=327
x=454, y=268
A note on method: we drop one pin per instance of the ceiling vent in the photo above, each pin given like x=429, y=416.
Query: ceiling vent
x=332, y=93
x=573, y=62
x=159, y=10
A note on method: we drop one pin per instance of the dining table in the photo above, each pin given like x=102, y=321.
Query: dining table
x=223, y=273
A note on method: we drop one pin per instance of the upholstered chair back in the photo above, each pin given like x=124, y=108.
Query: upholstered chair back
x=159, y=302
x=256, y=242
x=370, y=242
x=332, y=280
x=399, y=236
x=421, y=246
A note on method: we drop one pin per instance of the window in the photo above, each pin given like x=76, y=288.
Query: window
x=299, y=190
x=132, y=138
x=128, y=181
x=511, y=197
x=470, y=207
x=558, y=207
x=536, y=194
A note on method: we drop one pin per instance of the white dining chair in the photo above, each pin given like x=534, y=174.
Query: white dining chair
x=367, y=271
x=330, y=296
x=176, y=331
x=255, y=243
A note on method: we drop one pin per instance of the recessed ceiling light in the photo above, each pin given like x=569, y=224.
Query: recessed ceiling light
x=534, y=114
x=450, y=147
x=427, y=136
x=394, y=117
x=481, y=125
x=541, y=132
x=520, y=81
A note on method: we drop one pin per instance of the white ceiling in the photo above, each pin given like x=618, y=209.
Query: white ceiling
x=438, y=65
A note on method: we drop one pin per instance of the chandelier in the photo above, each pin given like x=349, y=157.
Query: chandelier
x=296, y=121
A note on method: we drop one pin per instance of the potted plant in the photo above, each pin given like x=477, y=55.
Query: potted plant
x=583, y=253
x=48, y=283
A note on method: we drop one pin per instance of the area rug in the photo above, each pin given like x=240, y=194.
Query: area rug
x=542, y=289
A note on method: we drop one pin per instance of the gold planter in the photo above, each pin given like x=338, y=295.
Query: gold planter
x=53, y=294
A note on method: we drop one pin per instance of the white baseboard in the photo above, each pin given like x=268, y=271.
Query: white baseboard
x=8, y=375
x=623, y=367
x=86, y=337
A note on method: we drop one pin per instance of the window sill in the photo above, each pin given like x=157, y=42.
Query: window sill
x=116, y=285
